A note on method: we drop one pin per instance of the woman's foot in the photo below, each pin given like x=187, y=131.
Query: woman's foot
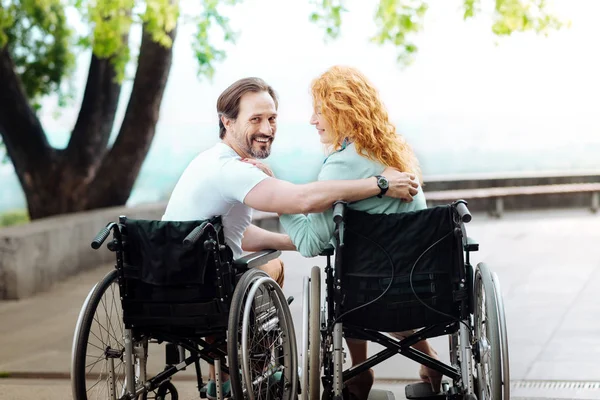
x=433, y=377
x=360, y=386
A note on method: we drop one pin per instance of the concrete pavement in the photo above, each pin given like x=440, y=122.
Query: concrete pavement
x=548, y=263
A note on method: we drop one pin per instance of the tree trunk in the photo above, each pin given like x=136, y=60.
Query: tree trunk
x=85, y=175
x=25, y=141
x=87, y=145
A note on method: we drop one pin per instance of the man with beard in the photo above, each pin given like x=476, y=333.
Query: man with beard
x=223, y=181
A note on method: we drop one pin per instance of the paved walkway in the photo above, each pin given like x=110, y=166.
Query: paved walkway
x=548, y=263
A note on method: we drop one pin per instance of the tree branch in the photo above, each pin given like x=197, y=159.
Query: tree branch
x=22, y=132
x=96, y=118
x=117, y=174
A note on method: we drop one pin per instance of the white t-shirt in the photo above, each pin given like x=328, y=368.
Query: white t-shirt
x=216, y=183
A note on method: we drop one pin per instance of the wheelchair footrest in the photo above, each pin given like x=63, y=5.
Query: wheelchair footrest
x=379, y=394
x=422, y=390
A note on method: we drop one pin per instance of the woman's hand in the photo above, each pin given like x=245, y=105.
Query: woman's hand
x=263, y=167
x=402, y=185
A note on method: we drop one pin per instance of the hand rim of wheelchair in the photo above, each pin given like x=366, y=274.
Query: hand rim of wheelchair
x=243, y=299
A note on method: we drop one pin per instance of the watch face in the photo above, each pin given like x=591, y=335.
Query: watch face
x=383, y=183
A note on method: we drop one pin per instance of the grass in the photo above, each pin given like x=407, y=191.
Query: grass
x=14, y=217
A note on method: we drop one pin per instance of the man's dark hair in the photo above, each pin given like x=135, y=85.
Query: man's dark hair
x=228, y=104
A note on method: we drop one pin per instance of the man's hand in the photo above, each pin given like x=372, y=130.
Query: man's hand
x=263, y=167
x=402, y=185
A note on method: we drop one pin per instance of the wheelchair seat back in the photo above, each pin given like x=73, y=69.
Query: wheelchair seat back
x=416, y=256
x=166, y=284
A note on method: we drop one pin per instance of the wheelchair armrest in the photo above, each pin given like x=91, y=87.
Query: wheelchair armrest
x=471, y=245
x=327, y=251
x=256, y=259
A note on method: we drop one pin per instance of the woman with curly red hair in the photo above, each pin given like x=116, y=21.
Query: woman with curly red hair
x=352, y=121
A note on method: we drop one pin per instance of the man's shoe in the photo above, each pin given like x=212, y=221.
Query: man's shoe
x=275, y=378
x=211, y=390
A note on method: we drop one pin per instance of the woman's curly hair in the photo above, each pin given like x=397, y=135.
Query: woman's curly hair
x=352, y=107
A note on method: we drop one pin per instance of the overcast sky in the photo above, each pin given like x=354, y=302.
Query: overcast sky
x=461, y=69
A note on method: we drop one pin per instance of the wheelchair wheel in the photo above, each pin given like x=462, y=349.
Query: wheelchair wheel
x=314, y=349
x=261, y=341
x=97, y=365
x=490, y=346
x=166, y=391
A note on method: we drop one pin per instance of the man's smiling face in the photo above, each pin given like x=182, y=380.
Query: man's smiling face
x=253, y=132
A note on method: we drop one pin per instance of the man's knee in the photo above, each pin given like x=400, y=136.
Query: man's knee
x=402, y=335
x=275, y=269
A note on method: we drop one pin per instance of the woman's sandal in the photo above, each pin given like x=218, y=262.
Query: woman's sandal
x=358, y=388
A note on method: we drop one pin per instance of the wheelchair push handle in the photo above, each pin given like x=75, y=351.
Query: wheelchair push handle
x=339, y=209
x=101, y=236
x=463, y=211
x=196, y=234
x=199, y=231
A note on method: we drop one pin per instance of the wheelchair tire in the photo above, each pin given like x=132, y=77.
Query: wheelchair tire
x=314, y=349
x=261, y=341
x=490, y=336
x=304, y=343
x=103, y=297
x=503, y=337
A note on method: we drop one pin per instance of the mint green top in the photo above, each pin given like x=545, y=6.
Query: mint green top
x=313, y=232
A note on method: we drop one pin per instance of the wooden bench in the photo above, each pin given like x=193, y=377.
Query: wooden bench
x=499, y=193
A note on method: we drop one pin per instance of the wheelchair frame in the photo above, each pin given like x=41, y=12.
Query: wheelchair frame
x=461, y=331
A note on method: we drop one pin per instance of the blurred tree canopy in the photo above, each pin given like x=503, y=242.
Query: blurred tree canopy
x=399, y=20
x=38, y=43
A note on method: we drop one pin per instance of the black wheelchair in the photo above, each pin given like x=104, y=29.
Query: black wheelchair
x=400, y=272
x=175, y=284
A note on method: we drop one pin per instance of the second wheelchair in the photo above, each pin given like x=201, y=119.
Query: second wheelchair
x=405, y=272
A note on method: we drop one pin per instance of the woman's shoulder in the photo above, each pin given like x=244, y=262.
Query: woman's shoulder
x=351, y=164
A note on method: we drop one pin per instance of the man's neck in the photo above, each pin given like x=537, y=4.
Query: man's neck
x=235, y=148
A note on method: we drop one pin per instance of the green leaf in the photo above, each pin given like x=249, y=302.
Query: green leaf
x=39, y=41
x=522, y=16
x=398, y=21
x=471, y=8
x=328, y=16
x=211, y=17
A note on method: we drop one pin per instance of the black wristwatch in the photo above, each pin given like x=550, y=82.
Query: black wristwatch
x=383, y=184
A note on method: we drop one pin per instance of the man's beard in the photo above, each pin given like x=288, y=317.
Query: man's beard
x=259, y=150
